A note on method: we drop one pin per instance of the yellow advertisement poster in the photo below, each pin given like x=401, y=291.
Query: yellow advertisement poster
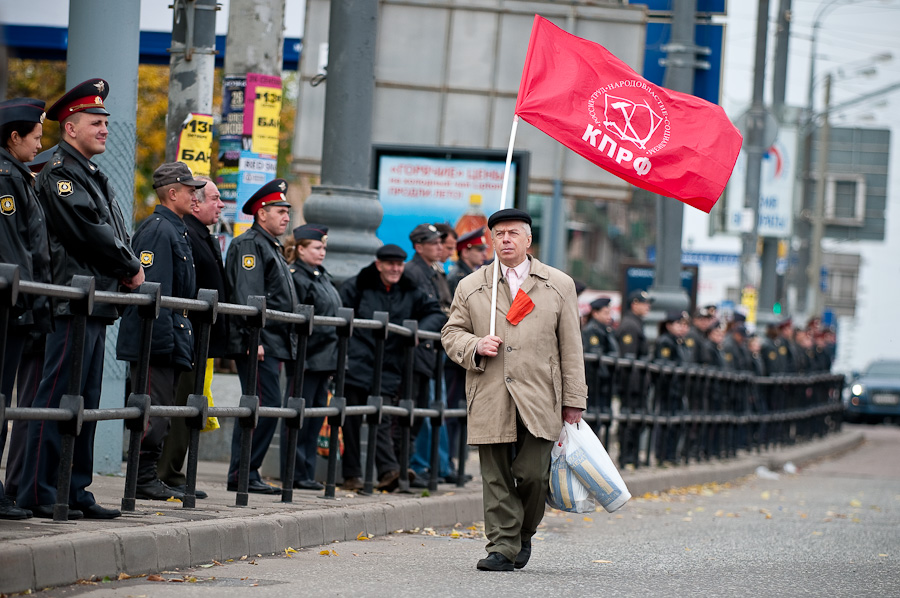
x=749, y=300
x=195, y=143
x=266, y=120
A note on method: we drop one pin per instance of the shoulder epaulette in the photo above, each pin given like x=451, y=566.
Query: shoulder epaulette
x=56, y=162
x=5, y=167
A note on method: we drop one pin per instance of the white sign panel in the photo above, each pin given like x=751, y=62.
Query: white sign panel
x=776, y=201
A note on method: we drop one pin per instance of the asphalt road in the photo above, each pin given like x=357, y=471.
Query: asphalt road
x=831, y=529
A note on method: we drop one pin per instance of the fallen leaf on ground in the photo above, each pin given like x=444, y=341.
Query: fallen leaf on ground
x=361, y=536
x=124, y=576
x=155, y=578
x=173, y=499
x=855, y=503
x=605, y=562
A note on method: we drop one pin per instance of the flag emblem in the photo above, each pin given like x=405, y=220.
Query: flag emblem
x=630, y=120
x=7, y=205
x=249, y=262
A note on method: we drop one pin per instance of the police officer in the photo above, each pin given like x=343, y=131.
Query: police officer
x=314, y=287
x=87, y=237
x=598, y=338
x=696, y=342
x=23, y=241
x=471, y=249
x=631, y=337
x=164, y=249
x=255, y=265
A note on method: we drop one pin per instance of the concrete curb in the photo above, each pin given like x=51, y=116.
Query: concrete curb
x=64, y=558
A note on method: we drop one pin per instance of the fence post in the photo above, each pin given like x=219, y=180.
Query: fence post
x=139, y=398
x=339, y=399
x=197, y=399
x=251, y=401
x=408, y=402
x=9, y=294
x=292, y=401
x=375, y=400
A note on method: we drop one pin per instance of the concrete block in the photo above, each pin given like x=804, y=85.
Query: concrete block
x=54, y=562
x=139, y=553
x=206, y=542
x=354, y=523
x=412, y=514
x=174, y=547
x=393, y=518
x=288, y=532
x=235, y=538
x=333, y=526
x=312, y=531
x=375, y=521
x=263, y=536
x=437, y=512
x=469, y=509
x=95, y=556
x=17, y=572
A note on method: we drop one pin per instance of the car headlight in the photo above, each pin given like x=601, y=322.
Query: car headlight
x=857, y=389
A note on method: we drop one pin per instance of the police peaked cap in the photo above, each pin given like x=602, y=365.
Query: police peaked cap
x=600, y=303
x=84, y=97
x=29, y=110
x=474, y=238
x=270, y=194
x=313, y=232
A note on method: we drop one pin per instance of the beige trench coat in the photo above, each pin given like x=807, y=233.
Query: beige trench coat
x=540, y=365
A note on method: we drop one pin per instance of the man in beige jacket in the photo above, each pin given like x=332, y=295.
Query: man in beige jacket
x=521, y=383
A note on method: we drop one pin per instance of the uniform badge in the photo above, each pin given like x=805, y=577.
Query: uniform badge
x=665, y=352
x=729, y=357
x=627, y=339
x=689, y=342
x=64, y=188
x=7, y=205
x=595, y=340
x=249, y=262
x=782, y=350
x=771, y=355
x=146, y=258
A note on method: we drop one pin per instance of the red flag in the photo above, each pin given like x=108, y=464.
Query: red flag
x=670, y=143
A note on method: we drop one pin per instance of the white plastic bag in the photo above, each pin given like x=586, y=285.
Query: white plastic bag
x=591, y=464
x=567, y=493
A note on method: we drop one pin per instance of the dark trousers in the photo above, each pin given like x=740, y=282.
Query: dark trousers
x=27, y=383
x=455, y=378
x=268, y=389
x=315, y=391
x=175, y=447
x=44, y=441
x=385, y=457
x=15, y=341
x=515, y=480
x=161, y=384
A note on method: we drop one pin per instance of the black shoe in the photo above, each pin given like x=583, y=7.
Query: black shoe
x=183, y=489
x=95, y=511
x=308, y=485
x=451, y=478
x=46, y=512
x=495, y=562
x=524, y=555
x=157, y=490
x=256, y=487
x=9, y=510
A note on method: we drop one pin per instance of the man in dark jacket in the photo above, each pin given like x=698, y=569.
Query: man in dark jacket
x=696, y=343
x=255, y=266
x=632, y=340
x=165, y=253
x=88, y=237
x=210, y=274
x=381, y=286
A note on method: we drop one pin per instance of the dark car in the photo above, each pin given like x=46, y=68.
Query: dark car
x=874, y=395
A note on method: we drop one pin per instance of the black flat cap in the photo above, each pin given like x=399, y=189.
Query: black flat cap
x=314, y=232
x=507, y=215
x=390, y=252
x=29, y=110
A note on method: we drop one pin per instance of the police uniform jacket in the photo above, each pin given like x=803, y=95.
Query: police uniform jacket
x=632, y=340
x=315, y=287
x=771, y=359
x=599, y=340
x=434, y=284
x=696, y=346
x=254, y=265
x=23, y=239
x=209, y=273
x=670, y=350
x=736, y=356
x=540, y=365
x=366, y=294
x=162, y=245
x=85, y=227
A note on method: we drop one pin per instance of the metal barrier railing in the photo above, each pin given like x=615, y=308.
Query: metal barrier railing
x=681, y=413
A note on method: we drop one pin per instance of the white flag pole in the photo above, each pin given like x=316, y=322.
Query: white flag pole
x=512, y=141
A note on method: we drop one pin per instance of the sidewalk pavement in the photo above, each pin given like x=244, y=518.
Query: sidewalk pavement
x=158, y=536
